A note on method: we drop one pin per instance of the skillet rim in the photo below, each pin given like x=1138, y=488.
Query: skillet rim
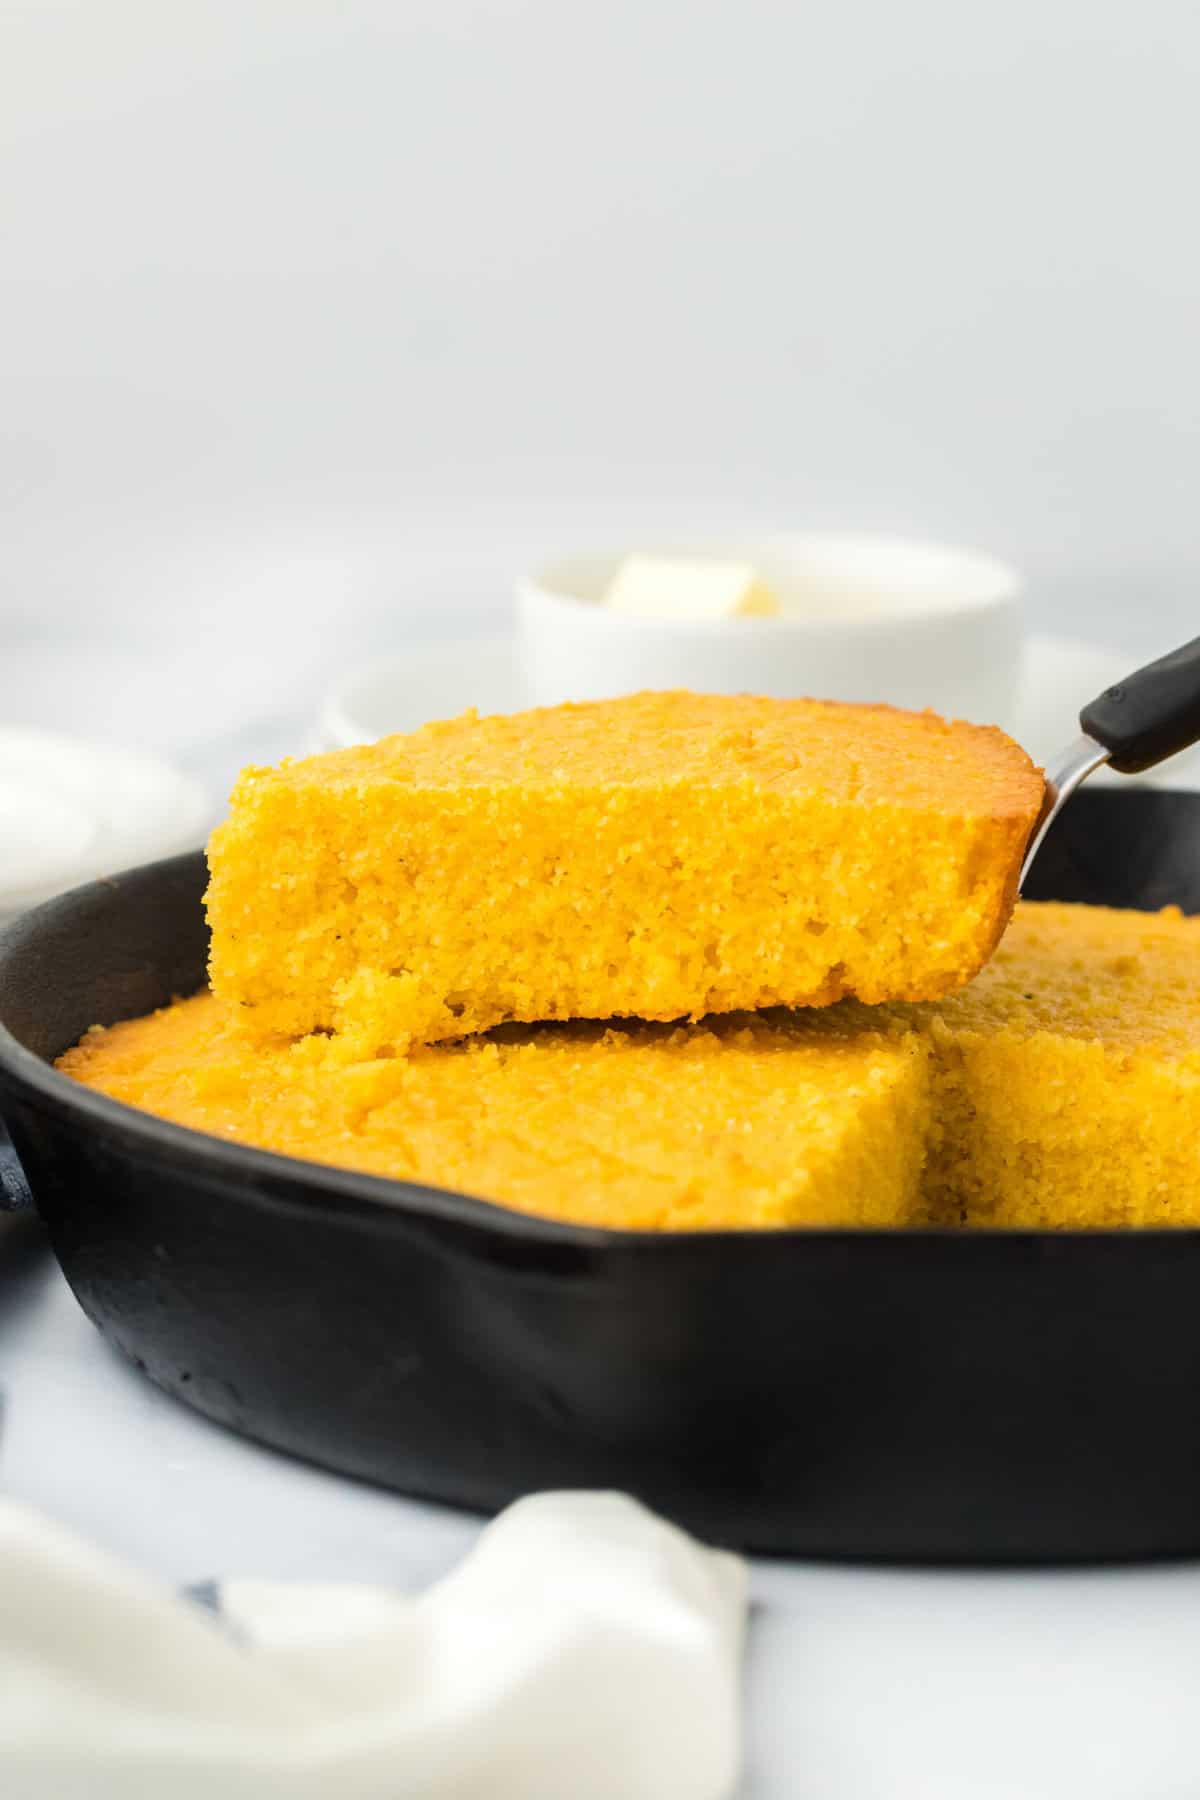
x=308, y=1186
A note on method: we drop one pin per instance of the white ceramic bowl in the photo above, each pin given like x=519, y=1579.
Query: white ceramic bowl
x=865, y=618
x=432, y=681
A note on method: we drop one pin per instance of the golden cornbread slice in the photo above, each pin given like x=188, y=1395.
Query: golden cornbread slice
x=1067, y=1076
x=741, y=1121
x=661, y=856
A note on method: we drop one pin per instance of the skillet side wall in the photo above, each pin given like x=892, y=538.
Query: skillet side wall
x=927, y=1396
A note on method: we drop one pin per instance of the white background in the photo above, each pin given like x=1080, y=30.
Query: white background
x=319, y=319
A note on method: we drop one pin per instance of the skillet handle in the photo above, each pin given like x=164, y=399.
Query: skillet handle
x=14, y=1189
x=1151, y=714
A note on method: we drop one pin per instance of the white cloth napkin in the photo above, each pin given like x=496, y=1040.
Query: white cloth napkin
x=71, y=810
x=583, y=1650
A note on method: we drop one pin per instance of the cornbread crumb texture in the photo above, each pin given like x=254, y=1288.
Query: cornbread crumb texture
x=1068, y=1074
x=1062, y=1088
x=662, y=856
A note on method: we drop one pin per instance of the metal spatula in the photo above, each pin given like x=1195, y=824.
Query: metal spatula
x=1141, y=721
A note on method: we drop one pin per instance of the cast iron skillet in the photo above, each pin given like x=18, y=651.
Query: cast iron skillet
x=881, y=1394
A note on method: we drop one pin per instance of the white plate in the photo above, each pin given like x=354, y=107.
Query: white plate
x=435, y=681
x=70, y=811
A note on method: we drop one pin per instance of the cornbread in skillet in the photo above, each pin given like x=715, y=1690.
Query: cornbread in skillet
x=743, y=1121
x=664, y=856
x=1067, y=1076
x=1061, y=1089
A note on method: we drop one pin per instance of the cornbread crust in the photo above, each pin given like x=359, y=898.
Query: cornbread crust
x=742, y=1121
x=662, y=856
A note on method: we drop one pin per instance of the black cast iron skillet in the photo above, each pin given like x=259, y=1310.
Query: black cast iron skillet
x=934, y=1395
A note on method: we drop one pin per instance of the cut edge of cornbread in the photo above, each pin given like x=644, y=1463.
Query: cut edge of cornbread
x=1067, y=1076
x=370, y=894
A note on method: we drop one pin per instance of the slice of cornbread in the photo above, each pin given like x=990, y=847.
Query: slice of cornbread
x=661, y=856
x=1067, y=1076
x=743, y=1121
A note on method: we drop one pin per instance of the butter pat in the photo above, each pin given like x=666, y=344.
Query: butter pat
x=661, y=587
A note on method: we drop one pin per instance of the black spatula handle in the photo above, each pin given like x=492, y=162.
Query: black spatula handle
x=1149, y=715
